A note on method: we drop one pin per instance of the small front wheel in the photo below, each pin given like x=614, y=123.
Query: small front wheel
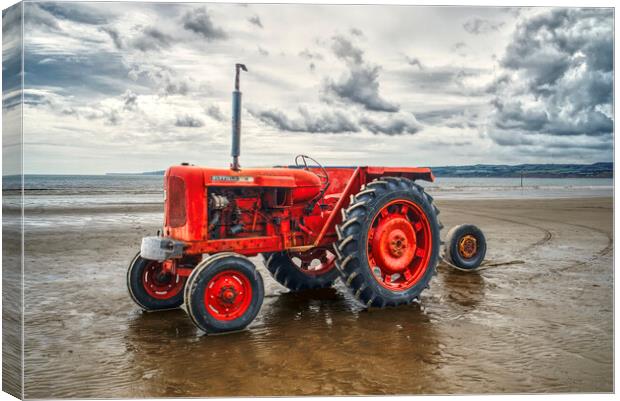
x=224, y=293
x=151, y=288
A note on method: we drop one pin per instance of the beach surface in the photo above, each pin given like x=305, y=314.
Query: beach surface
x=537, y=317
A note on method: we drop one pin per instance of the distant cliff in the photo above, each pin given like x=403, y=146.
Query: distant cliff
x=596, y=170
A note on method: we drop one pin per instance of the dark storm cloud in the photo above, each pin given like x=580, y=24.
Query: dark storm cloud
x=445, y=79
x=547, y=153
x=11, y=56
x=199, y=22
x=188, y=121
x=356, y=32
x=74, y=12
x=112, y=118
x=550, y=147
x=498, y=84
x=11, y=22
x=36, y=17
x=114, y=35
x=453, y=117
x=255, y=20
x=325, y=122
x=68, y=73
x=392, y=126
x=152, y=39
x=215, y=113
x=346, y=51
x=312, y=57
x=360, y=85
x=162, y=78
x=307, y=54
x=130, y=100
x=11, y=99
x=108, y=116
x=337, y=121
x=477, y=26
x=511, y=140
x=415, y=62
x=35, y=99
x=174, y=87
x=559, y=77
x=460, y=48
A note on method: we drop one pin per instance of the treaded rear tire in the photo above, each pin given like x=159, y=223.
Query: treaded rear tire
x=351, y=247
x=285, y=272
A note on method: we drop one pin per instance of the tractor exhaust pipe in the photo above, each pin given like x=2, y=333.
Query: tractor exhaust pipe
x=236, y=119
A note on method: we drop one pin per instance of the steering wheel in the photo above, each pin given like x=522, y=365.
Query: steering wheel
x=323, y=176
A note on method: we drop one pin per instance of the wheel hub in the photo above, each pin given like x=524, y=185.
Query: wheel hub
x=394, y=243
x=160, y=284
x=398, y=243
x=468, y=246
x=228, y=295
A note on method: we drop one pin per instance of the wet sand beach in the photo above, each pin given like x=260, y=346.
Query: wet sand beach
x=538, y=317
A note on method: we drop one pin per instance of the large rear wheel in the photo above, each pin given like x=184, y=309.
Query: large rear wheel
x=388, y=242
x=300, y=271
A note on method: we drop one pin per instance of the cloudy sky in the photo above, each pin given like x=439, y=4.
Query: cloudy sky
x=121, y=87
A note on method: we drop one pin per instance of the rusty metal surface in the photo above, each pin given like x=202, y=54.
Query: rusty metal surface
x=468, y=246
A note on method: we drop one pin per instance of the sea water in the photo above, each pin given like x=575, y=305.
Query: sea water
x=99, y=190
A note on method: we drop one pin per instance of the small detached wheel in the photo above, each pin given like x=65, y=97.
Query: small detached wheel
x=465, y=247
x=224, y=293
x=151, y=288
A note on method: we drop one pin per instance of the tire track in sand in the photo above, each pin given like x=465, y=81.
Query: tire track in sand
x=548, y=236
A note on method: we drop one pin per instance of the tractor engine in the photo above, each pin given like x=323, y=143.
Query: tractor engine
x=205, y=204
x=237, y=212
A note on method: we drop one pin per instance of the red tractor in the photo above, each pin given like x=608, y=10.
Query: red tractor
x=374, y=227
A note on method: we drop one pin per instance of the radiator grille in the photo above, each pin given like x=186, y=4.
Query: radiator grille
x=175, y=199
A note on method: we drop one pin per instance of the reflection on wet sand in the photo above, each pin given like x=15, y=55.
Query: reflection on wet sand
x=464, y=288
x=536, y=318
x=312, y=343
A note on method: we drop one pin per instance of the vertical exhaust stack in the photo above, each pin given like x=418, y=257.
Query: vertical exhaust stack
x=236, y=120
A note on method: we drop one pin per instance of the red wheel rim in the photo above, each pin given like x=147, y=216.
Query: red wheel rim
x=228, y=295
x=399, y=245
x=314, y=262
x=159, y=284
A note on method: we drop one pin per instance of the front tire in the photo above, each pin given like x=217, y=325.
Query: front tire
x=388, y=242
x=151, y=288
x=224, y=293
